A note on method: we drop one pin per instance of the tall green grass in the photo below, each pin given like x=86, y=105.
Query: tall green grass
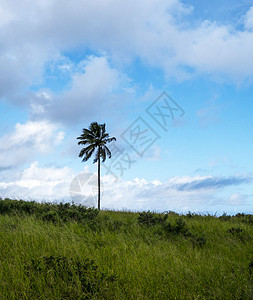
x=50, y=251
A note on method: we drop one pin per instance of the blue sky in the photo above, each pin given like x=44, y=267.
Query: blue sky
x=64, y=65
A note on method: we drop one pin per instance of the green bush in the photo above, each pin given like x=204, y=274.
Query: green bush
x=251, y=267
x=150, y=219
x=48, y=211
x=198, y=241
x=234, y=231
x=225, y=217
x=77, y=279
x=178, y=228
x=50, y=216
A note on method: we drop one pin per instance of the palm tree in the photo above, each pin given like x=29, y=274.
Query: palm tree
x=95, y=138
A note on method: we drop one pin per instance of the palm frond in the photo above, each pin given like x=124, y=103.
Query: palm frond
x=104, y=135
x=83, y=142
x=88, y=154
x=85, y=136
x=102, y=126
x=87, y=141
x=109, y=140
x=86, y=150
x=108, y=152
x=103, y=154
x=93, y=138
x=95, y=128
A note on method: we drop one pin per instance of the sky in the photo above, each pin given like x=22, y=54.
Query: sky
x=172, y=80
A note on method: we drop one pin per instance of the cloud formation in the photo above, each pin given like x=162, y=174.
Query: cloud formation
x=211, y=183
x=96, y=88
x=178, y=194
x=248, y=20
x=40, y=184
x=26, y=140
x=156, y=32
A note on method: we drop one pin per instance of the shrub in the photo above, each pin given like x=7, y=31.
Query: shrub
x=48, y=211
x=190, y=215
x=250, y=267
x=178, y=228
x=198, y=241
x=51, y=216
x=234, y=231
x=248, y=219
x=77, y=279
x=225, y=217
x=163, y=225
x=151, y=219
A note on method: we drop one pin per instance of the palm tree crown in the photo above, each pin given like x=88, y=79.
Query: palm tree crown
x=95, y=138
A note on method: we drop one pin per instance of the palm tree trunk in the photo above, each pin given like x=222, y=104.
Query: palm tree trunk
x=98, y=178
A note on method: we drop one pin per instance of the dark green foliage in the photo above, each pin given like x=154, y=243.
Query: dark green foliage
x=235, y=230
x=240, y=217
x=170, y=213
x=248, y=219
x=239, y=234
x=179, y=227
x=94, y=138
x=225, y=217
x=163, y=225
x=8, y=206
x=245, y=218
x=169, y=229
x=198, y=241
x=191, y=215
x=150, y=219
x=78, y=213
x=51, y=216
x=55, y=213
x=78, y=279
x=251, y=267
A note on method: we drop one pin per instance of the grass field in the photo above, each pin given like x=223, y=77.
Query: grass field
x=64, y=251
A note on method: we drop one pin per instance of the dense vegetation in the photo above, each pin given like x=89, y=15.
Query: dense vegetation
x=65, y=251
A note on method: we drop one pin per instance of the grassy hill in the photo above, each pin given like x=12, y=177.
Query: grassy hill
x=64, y=251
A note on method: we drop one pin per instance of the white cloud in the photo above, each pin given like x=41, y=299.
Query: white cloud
x=96, y=89
x=217, y=50
x=139, y=194
x=154, y=31
x=5, y=15
x=237, y=199
x=47, y=174
x=248, y=21
x=26, y=141
x=55, y=184
x=36, y=183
